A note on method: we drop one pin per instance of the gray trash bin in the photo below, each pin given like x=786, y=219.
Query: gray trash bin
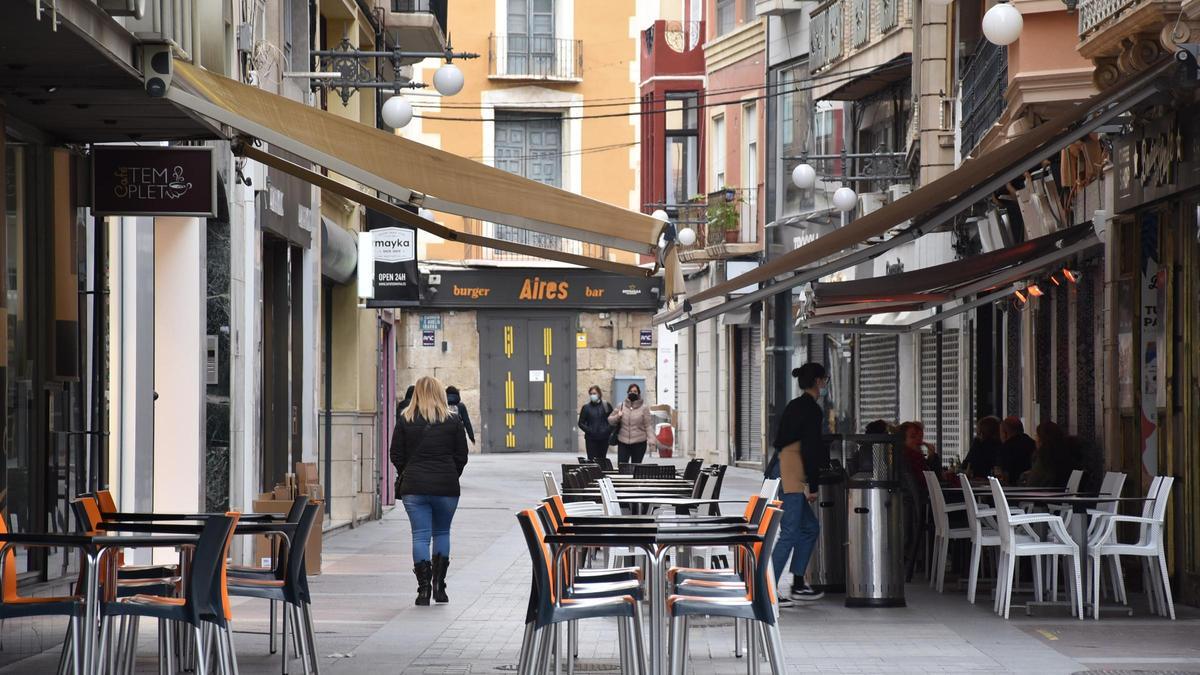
x=827, y=567
x=875, y=546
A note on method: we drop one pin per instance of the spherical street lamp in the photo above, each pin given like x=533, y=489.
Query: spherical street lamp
x=687, y=236
x=397, y=112
x=804, y=176
x=448, y=79
x=659, y=214
x=845, y=199
x=1002, y=24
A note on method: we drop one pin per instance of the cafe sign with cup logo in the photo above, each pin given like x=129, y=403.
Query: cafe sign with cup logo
x=153, y=181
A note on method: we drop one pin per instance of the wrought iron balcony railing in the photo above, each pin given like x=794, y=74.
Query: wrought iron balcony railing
x=841, y=27
x=535, y=57
x=1093, y=13
x=984, y=81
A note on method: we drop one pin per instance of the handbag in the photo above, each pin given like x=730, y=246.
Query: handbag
x=616, y=430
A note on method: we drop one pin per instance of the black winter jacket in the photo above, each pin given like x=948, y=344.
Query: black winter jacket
x=429, y=458
x=455, y=401
x=593, y=420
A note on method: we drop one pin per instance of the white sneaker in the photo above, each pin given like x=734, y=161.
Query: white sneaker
x=805, y=593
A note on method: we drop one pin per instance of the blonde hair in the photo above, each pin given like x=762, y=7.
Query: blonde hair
x=428, y=401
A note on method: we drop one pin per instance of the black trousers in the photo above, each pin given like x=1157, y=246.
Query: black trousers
x=596, y=449
x=631, y=452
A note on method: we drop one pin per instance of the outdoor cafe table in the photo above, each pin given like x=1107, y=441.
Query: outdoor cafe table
x=656, y=540
x=94, y=547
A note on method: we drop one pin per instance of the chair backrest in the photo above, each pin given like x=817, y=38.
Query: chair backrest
x=693, y=469
x=204, y=587
x=1151, y=497
x=653, y=471
x=87, y=511
x=295, y=564
x=106, y=501
x=551, y=484
x=605, y=464
x=763, y=594
x=1111, y=487
x=770, y=488
x=626, y=469
x=1001, y=504
x=1162, y=497
x=535, y=541
x=937, y=501
x=608, y=497
x=583, y=460
x=972, y=507
x=1074, y=479
x=702, y=479
x=8, y=582
x=717, y=480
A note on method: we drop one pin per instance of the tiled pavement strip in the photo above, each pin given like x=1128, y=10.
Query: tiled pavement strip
x=366, y=622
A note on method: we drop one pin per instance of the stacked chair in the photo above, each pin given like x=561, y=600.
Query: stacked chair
x=1149, y=546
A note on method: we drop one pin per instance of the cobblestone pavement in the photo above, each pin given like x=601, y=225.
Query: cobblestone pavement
x=366, y=622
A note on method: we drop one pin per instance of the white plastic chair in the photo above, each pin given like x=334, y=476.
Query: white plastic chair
x=1057, y=542
x=982, y=523
x=1148, y=545
x=942, y=532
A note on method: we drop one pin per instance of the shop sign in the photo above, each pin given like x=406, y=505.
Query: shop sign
x=131, y=180
x=1160, y=157
x=431, y=322
x=646, y=338
x=541, y=289
x=581, y=340
x=1153, y=278
x=428, y=338
x=397, y=281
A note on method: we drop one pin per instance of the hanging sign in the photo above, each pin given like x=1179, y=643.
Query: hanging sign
x=646, y=338
x=1152, y=282
x=397, y=282
x=581, y=340
x=428, y=338
x=130, y=180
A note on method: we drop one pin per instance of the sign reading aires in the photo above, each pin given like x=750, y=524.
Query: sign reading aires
x=541, y=289
x=396, y=277
x=130, y=180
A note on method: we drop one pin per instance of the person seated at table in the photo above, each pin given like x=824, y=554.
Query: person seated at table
x=1088, y=457
x=919, y=455
x=985, y=448
x=1052, y=463
x=1016, y=450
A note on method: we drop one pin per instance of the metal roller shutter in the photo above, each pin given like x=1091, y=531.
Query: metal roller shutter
x=952, y=436
x=749, y=394
x=878, y=379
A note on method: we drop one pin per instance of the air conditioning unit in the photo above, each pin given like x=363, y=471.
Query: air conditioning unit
x=898, y=190
x=871, y=201
x=990, y=234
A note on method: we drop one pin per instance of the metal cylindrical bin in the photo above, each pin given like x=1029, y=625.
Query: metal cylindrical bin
x=827, y=567
x=875, y=550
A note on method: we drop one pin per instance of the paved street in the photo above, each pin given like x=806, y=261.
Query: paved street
x=366, y=622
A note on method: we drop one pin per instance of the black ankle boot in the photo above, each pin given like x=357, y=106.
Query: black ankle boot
x=440, y=565
x=424, y=572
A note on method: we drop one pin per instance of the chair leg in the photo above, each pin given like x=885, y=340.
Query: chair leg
x=639, y=652
x=1001, y=582
x=201, y=652
x=66, y=654
x=283, y=638
x=737, y=638
x=973, y=582
x=169, y=643
x=1119, y=580
x=1166, y=582
x=1038, y=586
x=300, y=637
x=942, y=564
x=751, y=650
x=297, y=641
x=775, y=649
x=77, y=645
x=135, y=625
x=623, y=645
x=675, y=640
x=543, y=660
x=271, y=627
x=1013, y=561
x=1095, y=595
x=526, y=643
x=310, y=633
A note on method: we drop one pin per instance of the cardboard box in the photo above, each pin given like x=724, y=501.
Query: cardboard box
x=266, y=503
x=306, y=475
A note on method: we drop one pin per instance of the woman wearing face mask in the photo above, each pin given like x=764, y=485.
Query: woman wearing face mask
x=593, y=420
x=634, y=427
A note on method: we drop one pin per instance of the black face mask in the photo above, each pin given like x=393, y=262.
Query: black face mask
x=633, y=396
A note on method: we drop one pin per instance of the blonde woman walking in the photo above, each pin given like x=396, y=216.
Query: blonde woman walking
x=429, y=449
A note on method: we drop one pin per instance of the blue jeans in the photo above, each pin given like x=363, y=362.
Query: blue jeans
x=797, y=535
x=430, y=517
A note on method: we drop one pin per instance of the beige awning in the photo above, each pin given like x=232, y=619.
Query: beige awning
x=942, y=199
x=409, y=171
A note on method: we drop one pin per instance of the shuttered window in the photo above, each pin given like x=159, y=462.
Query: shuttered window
x=952, y=431
x=878, y=379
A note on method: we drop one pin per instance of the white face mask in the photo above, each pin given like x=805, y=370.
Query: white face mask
x=595, y=398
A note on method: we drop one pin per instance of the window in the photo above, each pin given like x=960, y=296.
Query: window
x=726, y=16
x=794, y=115
x=749, y=169
x=747, y=11
x=682, y=153
x=531, y=37
x=529, y=145
x=718, y=152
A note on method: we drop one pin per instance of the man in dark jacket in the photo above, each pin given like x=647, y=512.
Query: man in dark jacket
x=593, y=420
x=454, y=400
x=1016, y=452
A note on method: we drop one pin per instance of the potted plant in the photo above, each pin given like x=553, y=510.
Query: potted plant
x=723, y=215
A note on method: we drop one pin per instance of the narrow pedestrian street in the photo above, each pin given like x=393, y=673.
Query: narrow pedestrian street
x=366, y=622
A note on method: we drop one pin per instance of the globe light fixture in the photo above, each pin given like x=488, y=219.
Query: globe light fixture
x=659, y=214
x=397, y=112
x=687, y=236
x=448, y=79
x=1002, y=24
x=804, y=176
x=845, y=199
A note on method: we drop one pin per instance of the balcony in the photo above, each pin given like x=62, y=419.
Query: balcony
x=984, y=81
x=840, y=29
x=725, y=227
x=416, y=25
x=1112, y=28
x=535, y=57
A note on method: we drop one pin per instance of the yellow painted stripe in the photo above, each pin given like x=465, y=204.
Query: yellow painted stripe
x=1047, y=634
